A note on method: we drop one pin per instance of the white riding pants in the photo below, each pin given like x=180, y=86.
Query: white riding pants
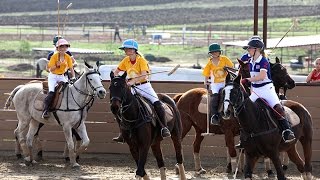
x=266, y=92
x=53, y=80
x=215, y=87
x=146, y=91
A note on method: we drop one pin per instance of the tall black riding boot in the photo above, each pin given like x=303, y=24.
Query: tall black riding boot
x=214, y=120
x=47, y=103
x=287, y=134
x=161, y=114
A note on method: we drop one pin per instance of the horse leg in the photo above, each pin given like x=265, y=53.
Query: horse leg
x=296, y=159
x=69, y=140
x=178, y=148
x=38, y=144
x=83, y=135
x=306, y=142
x=267, y=166
x=196, y=153
x=19, y=134
x=77, y=146
x=156, y=150
x=33, y=128
x=232, y=153
x=277, y=165
x=285, y=160
x=249, y=165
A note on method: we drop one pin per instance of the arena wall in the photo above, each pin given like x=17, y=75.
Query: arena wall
x=102, y=127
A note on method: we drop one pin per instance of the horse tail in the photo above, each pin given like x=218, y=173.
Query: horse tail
x=177, y=97
x=11, y=95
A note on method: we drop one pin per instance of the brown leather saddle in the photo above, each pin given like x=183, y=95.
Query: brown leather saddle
x=57, y=99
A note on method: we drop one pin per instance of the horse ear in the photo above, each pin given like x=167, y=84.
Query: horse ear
x=111, y=74
x=88, y=65
x=124, y=75
x=240, y=62
x=237, y=79
x=277, y=59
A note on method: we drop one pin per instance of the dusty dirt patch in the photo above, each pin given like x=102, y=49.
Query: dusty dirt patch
x=119, y=167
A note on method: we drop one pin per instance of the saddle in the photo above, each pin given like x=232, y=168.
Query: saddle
x=151, y=111
x=57, y=99
x=290, y=115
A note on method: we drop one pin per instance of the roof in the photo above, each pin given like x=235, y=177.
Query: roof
x=76, y=50
x=286, y=42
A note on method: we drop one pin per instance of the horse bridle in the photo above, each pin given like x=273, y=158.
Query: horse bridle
x=238, y=104
x=94, y=89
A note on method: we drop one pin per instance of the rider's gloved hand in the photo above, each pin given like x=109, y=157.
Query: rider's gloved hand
x=246, y=82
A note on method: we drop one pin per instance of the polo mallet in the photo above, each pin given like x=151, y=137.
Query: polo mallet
x=283, y=36
x=236, y=171
x=208, y=108
x=66, y=17
x=170, y=72
x=58, y=17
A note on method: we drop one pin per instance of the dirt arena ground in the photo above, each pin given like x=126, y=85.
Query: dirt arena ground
x=120, y=167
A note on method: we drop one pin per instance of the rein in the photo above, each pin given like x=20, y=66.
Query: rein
x=87, y=104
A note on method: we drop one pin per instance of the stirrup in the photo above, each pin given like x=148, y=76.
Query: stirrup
x=165, y=133
x=118, y=139
x=289, y=138
x=239, y=146
x=215, y=120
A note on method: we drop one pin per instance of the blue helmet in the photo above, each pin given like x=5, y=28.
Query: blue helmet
x=129, y=43
x=256, y=42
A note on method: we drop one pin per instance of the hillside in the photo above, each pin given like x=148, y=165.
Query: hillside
x=150, y=12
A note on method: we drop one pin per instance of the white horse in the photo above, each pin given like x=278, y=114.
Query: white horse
x=76, y=100
x=41, y=65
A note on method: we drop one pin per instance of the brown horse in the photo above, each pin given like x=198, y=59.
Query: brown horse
x=259, y=130
x=192, y=117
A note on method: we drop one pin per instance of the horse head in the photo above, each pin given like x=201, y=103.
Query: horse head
x=118, y=91
x=280, y=76
x=93, y=80
x=232, y=96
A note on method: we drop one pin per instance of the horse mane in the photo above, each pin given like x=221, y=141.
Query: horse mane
x=177, y=97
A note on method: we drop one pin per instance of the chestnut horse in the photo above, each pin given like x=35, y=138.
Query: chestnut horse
x=137, y=125
x=259, y=130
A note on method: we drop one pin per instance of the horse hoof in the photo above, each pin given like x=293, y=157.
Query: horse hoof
x=201, y=171
x=28, y=163
x=67, y=159
x=75, y=166
x=19, y=156
x=228, y=170
x=284, y=167
x=270, y=173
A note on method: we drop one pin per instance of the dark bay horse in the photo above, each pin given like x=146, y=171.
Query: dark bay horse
x=136, y=123
x=260, y=134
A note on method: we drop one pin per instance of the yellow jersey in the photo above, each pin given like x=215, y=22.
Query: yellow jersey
x=134, y=69
x=217, y=70
x=64, y=66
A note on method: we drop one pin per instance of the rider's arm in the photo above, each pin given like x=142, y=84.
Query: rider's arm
x=308, y=80
x=261, y=76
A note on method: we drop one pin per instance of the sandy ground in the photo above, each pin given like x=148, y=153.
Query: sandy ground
x=119, y=167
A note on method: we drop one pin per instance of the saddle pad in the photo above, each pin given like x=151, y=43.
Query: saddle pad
x=39, y=101
x=147, y=105
x=291, y=116
x=169, y=113
x=202, y=108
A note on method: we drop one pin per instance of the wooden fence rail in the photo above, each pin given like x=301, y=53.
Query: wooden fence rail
x=102, y=127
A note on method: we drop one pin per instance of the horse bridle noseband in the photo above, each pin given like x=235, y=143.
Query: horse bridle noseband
x=238, y=104
x=94, y=89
